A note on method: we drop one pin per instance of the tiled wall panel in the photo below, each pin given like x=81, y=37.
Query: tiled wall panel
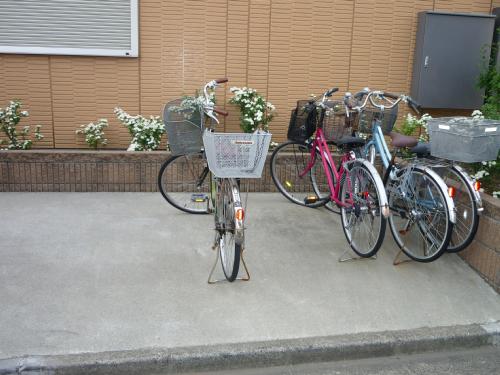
x=286, y=49
x=85, y=89
x=27, y=78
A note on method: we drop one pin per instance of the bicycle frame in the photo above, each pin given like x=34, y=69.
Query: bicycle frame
x=319, y=144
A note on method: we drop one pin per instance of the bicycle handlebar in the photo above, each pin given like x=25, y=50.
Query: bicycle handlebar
x=220, y=112
x=384, y=95
x=331, y=91
x=208, y=105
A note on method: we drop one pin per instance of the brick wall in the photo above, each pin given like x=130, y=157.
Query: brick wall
x=89, y=171
x=484, y=253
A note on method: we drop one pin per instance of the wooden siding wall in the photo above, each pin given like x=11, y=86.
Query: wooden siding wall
x=286, y=49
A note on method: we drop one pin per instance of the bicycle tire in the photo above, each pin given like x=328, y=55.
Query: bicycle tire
x=178, y=179
x=465, y=228
x=360, y=183
x=288, y=160
x=407, y=205
x=225, y=224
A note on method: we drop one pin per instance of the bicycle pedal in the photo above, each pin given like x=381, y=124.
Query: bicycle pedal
x=310, y=199
x=199, y=198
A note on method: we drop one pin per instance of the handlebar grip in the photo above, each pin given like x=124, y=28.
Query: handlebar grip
x=414, y=105
x=390, y=95
x=220, y=112
x=360, y=94
x=221, y=80
x=331, y=91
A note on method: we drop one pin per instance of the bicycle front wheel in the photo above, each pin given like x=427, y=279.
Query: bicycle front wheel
x=184, y=182
x=361, y=213
x=288, y=165
x=230, y=236
x=467, y=222
x=419, y=221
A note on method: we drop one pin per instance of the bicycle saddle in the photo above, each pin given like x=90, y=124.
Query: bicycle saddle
x=400, y=140
x=422, y=149
x=351, y=141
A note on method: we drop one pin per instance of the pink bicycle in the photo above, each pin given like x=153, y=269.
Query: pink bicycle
x=304, y=171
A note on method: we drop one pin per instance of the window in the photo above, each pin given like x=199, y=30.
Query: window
x=69, y=27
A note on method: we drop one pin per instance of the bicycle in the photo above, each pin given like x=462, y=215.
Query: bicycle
x=202, y=175
x=422, y=212
x=354, y=187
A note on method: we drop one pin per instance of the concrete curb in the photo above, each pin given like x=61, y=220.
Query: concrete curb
x=259, y=354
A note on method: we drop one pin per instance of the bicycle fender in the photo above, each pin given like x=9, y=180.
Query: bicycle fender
x=384, y=203
x=451, y=206
x=239, y=224
x=470, y=181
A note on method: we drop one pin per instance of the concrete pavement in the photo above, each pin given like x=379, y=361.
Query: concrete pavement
x=113, y=272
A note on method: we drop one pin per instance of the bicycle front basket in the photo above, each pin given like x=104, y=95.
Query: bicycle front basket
x=183, y=123
x=336, y=124
x=237, y=155
x=388, y=118
x=302, y=121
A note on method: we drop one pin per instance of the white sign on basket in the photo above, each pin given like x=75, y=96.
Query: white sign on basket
x=239, y=142
x=445, y=127
x=489, y=130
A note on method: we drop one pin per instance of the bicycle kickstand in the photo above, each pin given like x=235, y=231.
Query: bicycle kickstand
x=215, y=247
x=398, y=261
x=353, y=258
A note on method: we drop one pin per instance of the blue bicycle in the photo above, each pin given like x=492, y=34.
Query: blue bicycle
x=422, y=212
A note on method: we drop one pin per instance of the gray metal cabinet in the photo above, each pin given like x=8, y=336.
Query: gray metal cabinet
x=448, y=53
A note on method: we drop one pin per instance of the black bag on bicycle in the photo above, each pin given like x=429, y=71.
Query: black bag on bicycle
x=302, y=121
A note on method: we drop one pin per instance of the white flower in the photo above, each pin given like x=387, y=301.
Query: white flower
x=477, y=115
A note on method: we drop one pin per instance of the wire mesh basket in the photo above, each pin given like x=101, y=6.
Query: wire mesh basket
x=302, y=121
x=464, y=139
x=237, y=155
x=336, y=123
x=184, y=123
x=365, y=118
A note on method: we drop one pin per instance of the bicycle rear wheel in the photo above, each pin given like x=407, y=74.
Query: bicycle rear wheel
x=362, y=219
x=419, y=221
x=467, y=222
x=288, y=162
x=229, y=239
x=184, y=182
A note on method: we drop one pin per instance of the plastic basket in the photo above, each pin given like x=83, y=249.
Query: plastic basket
x=239, y=155
x=184, y=124
x=365, y=119
x=302, y=121
x=335, y=122
x=464, y=139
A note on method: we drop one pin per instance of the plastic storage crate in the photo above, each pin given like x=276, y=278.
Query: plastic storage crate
x=237, y=155
x=464, y=139
x=184, y=124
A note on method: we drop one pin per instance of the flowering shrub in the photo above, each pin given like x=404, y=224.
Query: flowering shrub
x=412, y=125
x=255, y=112
x=146, y=132
x=94, y=133
x=10, y=116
